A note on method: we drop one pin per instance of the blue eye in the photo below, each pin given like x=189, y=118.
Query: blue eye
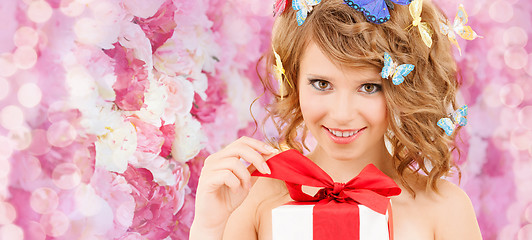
x=370, y=88
x=320, y=85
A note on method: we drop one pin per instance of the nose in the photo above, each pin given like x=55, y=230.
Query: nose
x=343, y=109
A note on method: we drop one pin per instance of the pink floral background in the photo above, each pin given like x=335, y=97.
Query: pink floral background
x=109, y=107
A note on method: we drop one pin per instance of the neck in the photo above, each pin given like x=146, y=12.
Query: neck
x=343, y=170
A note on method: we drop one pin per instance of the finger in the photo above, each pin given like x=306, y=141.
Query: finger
x=257, y=145
x=238, y=169
x=231, y=181
x=251, y=156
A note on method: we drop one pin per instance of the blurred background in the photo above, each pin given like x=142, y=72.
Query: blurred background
x=109, y=107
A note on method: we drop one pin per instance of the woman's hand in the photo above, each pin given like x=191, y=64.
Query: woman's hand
x=224, y=183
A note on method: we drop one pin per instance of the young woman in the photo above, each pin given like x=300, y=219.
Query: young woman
x=335, y=91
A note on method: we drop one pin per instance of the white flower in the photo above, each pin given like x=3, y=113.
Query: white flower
x=155, y=101
x=189, y=139
x=116, y=147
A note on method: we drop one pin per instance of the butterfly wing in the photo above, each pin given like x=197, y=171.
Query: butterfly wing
x=297, y=4
x=388, y=65
x=459, y=26
x=426, y=33
x=459, y=116
x=444, y=26
x=375, y=11
x=312, y=2
x=447, y=125
x=415, y=9
x=400, y=73
x=279, y=7
x=402, y=2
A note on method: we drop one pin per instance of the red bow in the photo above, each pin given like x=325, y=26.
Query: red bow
x=336, y=211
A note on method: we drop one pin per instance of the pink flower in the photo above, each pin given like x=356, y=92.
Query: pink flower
x=156, y=206
x=180, y=97
x=206, y=110
x=149, y=138
x=159, y=27
x=132, y=78
x=169, y=135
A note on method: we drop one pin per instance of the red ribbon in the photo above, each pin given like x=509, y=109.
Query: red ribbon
x=336, y=211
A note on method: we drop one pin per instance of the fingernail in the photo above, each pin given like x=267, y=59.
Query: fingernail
x=266, y=169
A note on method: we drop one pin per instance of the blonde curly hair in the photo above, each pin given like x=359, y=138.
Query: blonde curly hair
x=414, y=106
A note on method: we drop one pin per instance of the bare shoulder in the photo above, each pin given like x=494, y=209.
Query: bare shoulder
x=244, y=222
x=455, y=213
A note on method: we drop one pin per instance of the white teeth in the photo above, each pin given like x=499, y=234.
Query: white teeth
x=343, y=133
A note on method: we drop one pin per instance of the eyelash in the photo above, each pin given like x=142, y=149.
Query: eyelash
x=313, y=82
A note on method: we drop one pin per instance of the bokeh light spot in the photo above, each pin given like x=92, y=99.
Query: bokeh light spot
x=525, y=117
x=495, y=57
x=6, y=148
x=72, y=8
x=12, y=117
x=516, y=58
x=55, y=224
x=525, y=233
x=86, y=30
x=39, y=11
x=25, y=57
x=32, y=168
x=528, y=68
x=21, y=138
x=44, y=200
x=8, y=214
x=66, y=176
x=26, y=36
x=87, y=201
x=490, y=95
x=7, y=67
x=515, y=36
x=4, y=88
x=29, y=95
x=12, y=232
x=511, y=95
x=61, y=134
x=39, y=142
x=5, y=165
x=501, y=11
x=528, y=213
x=521, y=138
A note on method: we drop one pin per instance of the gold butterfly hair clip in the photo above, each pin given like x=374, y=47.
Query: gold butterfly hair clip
x=459, y=27
x=280, y=75
x=424, y=28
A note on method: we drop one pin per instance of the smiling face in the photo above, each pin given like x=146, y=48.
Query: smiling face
x=344, y=108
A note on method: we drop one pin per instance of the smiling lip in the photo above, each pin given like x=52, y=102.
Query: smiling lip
x=344, y=140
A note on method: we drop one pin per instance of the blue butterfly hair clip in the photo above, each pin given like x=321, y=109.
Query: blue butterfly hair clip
x=457, y=118
x=398, y=73
x=303, y=7
x=375, y=11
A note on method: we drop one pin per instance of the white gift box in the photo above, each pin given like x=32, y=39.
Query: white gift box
x=290, y=222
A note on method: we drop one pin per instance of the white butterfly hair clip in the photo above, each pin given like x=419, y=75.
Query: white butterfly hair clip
x=456, y=119
x=398, y=72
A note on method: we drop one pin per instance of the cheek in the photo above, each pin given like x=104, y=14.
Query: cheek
x=377, y=112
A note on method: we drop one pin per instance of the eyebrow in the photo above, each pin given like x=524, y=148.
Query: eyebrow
x=369, y=79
